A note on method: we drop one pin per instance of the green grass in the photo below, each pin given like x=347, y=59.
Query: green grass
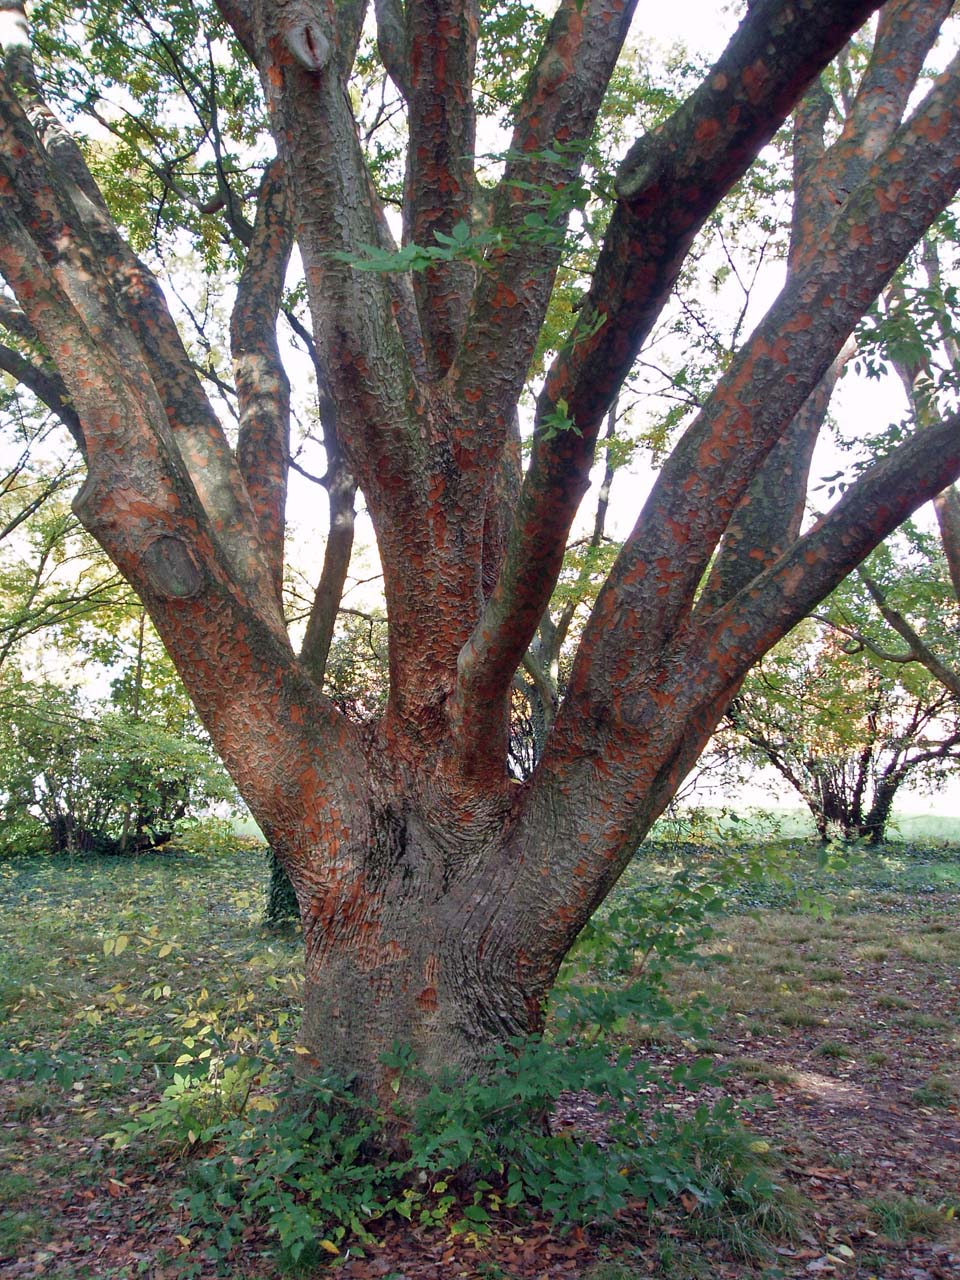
x=902, y=1217
x=798, y=1016
x=761, y=1072
x=938, y=1091
x=794, y=823
x=833, y=1049
x=926, y=829
x=921, y=1022
x=827, y=975
x=892, y=1002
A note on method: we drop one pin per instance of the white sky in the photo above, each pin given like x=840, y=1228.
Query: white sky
x=703, y=27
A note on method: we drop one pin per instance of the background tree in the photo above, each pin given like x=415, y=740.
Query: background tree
x=846, y=716
x=81, y=774
x=913, y=332
x=51, y=571
x=438, y=897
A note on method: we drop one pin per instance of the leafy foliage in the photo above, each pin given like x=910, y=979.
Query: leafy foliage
x=119, y=774
x=53, y=577
x=82, y=782
x=179, y=105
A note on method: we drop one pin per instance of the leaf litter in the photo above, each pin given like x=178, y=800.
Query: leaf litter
x=860, y=1109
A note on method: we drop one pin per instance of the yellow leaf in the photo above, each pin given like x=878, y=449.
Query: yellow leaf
x=395, y=1084
x=165, y=949
x=329, y=1246
x=302, y=1050
x=184, y=1058
x=184, y=1240
x=108, y=946
x=121, y=942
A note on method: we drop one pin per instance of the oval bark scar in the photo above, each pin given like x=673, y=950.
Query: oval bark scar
x=171, y=568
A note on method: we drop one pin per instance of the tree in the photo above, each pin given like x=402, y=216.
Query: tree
x=437, y=896
x=51, y=571
x=846, y=722
x=115, y=776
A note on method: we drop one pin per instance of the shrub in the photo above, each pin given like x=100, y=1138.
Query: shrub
x=96, y=783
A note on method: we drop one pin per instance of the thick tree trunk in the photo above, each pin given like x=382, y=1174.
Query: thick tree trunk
x=418, y=951
x=873, y=829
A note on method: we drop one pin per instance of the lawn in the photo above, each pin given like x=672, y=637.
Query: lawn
x=836, y=1024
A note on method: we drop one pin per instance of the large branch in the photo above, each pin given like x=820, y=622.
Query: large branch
x=338, y=217
x=813, y=205
x=881, y=499
x=140, y=505
x=121, y=303
x=668, y=186
x=947, y=508
x=706, y=476
x=392, y=42
x=672, y=180
x=263, y=389
x=906, y=32
x=350, y=19
x=769, y=515
x=441, y=45
x=339, y=483
x=553, y=126
x=128, y=288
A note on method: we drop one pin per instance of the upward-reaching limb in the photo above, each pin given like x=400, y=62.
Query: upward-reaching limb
x=668, y=185
x=263, y=389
